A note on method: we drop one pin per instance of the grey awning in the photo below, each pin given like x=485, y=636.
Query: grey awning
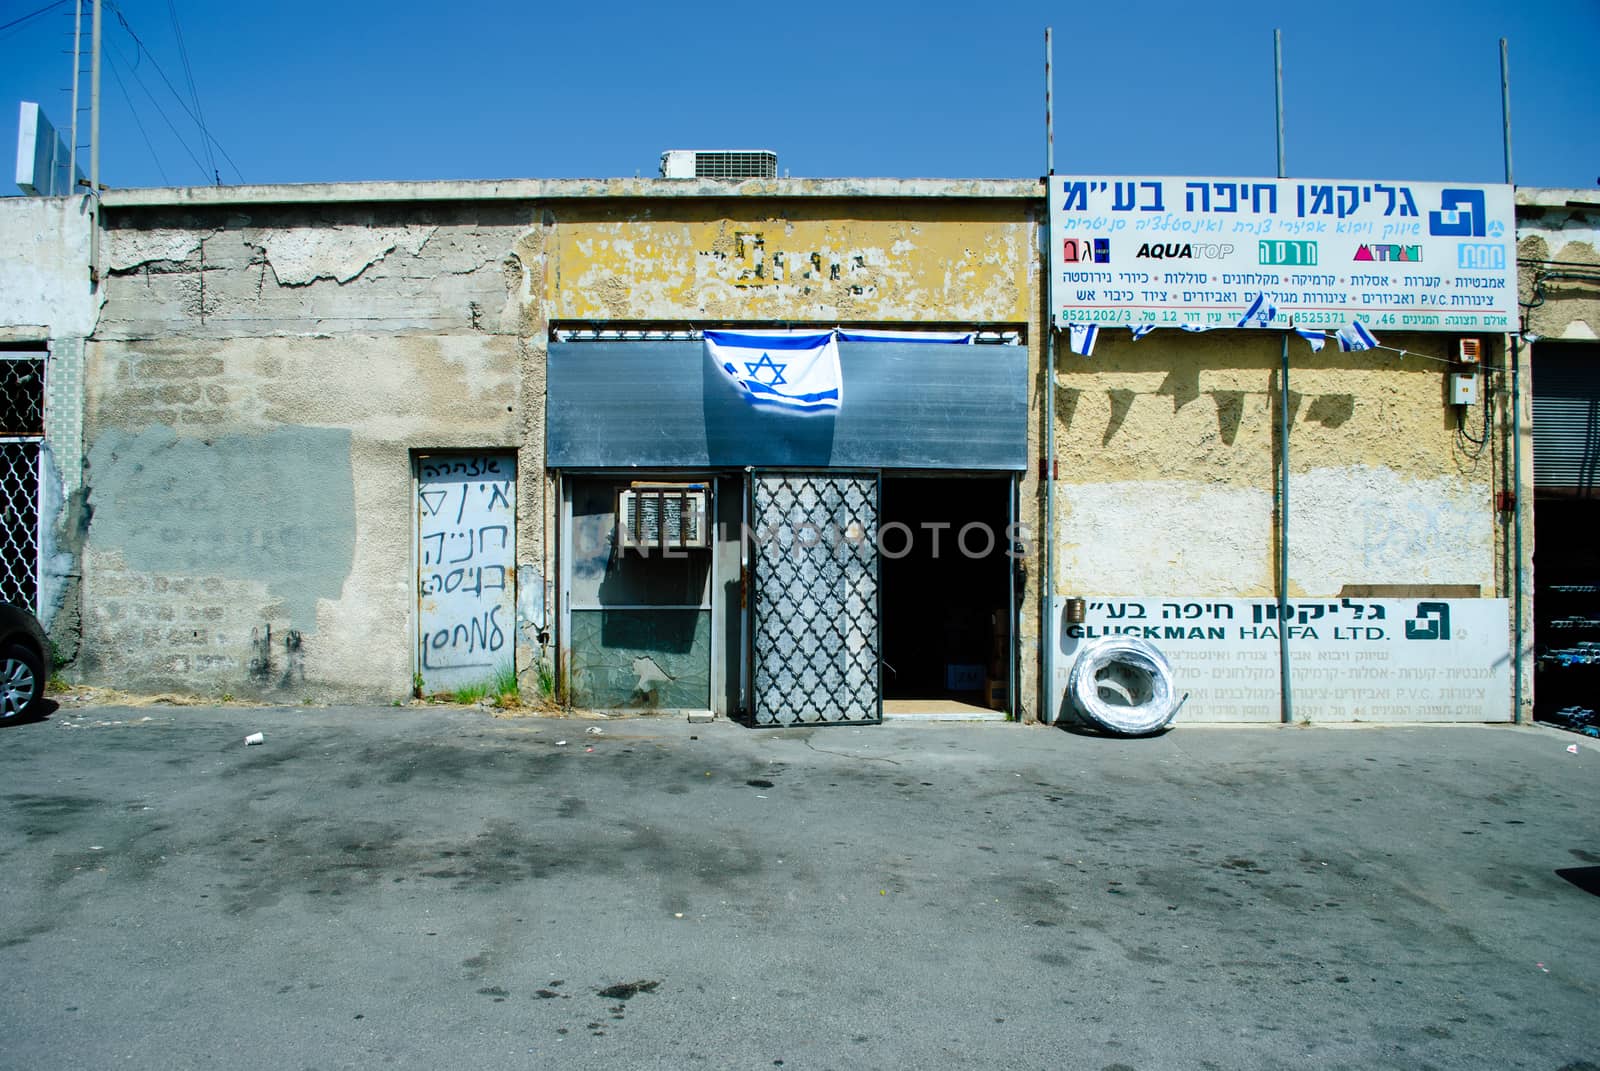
x=906, y=405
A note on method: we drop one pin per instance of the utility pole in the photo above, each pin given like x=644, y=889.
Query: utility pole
x=94, y=151
x=77, y=68
x=94, y=105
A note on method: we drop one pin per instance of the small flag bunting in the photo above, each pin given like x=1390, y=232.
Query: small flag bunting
x=1314, y=338
x=1081, y=338
x=1138, y=331
x=1355, y=336
x=1259, y=314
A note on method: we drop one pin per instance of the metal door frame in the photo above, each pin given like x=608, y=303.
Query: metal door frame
x=1012, y=482
x=753, y=581
x=562, y=613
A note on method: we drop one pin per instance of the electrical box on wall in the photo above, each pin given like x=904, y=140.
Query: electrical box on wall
x=1463, y=388
x=1469, y=350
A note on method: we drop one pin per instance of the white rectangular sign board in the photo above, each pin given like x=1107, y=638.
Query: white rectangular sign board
x=1380, y=660
x=1169, y=252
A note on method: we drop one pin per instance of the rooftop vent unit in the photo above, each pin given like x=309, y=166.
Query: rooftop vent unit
x=733, y=164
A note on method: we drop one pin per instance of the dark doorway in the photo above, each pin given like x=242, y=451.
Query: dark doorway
x=1566, y=628
x=1566, y=556
x=946, y=589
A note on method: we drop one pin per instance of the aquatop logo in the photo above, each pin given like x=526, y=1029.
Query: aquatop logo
x=1184, y=251
x=1086, y=250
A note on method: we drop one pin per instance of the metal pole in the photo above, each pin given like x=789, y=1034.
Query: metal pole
x=94, y=150
x=1505, y=103
x=77, y=66
x=1047, y=631
x=94, y=105
x=1277, y=62
x=1049, y=104
x=1516, y=429
x=1516, y=528
x=1286, y=688
x=1283, y=535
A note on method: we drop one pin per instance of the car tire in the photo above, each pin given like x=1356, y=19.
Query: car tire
x=21, y=681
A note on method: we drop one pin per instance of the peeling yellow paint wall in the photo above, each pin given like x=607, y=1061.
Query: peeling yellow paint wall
x=1168, y=459
x=958, y=262
x=824, y=261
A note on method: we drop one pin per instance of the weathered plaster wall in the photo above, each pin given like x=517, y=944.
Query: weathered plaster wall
x=46, y=297
x=44, y=265
x=256, y=390
x=959, y=262
x=1168, y=454
x=1558, y=247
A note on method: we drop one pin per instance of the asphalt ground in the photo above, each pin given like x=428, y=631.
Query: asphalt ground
x=438, y=888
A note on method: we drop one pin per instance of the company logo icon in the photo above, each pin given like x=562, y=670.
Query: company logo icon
x=1086, y=250
x=1461, y=215
x=1431, y=623
x=1481, y=256
x=1184, y=251
x=1297, y=254
x=1409, y=254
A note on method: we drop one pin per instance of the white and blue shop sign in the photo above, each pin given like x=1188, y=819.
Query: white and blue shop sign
x=1196, y=252
x=1350, y=659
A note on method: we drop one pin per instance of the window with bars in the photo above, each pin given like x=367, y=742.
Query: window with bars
x=21, y=394
x=21, y=432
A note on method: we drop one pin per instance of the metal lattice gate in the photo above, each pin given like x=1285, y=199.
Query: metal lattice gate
x=21, y=432
x=815, y=644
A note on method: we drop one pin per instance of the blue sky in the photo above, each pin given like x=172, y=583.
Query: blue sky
x=295, y=91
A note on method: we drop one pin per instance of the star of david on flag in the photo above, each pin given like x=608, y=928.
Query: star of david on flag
x=1081, y=338
x=1259, y=314
x=789, y=369
x=1355, y=336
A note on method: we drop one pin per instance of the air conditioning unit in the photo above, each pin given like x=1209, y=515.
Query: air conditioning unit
x=731, y=164
x=663, y=516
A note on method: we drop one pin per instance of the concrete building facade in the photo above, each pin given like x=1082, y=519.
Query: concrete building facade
x=280, y=385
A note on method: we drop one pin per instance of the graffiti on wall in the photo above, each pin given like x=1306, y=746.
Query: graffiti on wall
x=466, y=590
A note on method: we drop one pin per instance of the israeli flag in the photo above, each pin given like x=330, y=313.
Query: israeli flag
x=1315, y=339
x=1259, y=314
x=949, y=338
x=1355, y=336
x=1194, y=327
x=789, y=369
x=1081, y=338
x=1138, y=331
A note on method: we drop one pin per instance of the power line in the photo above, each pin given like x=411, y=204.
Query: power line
x=134, y=71
x=194, y=94
x=32, y=15
x=117, y=10
x=137, y=122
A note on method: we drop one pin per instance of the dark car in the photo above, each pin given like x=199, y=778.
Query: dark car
x=24, y=656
